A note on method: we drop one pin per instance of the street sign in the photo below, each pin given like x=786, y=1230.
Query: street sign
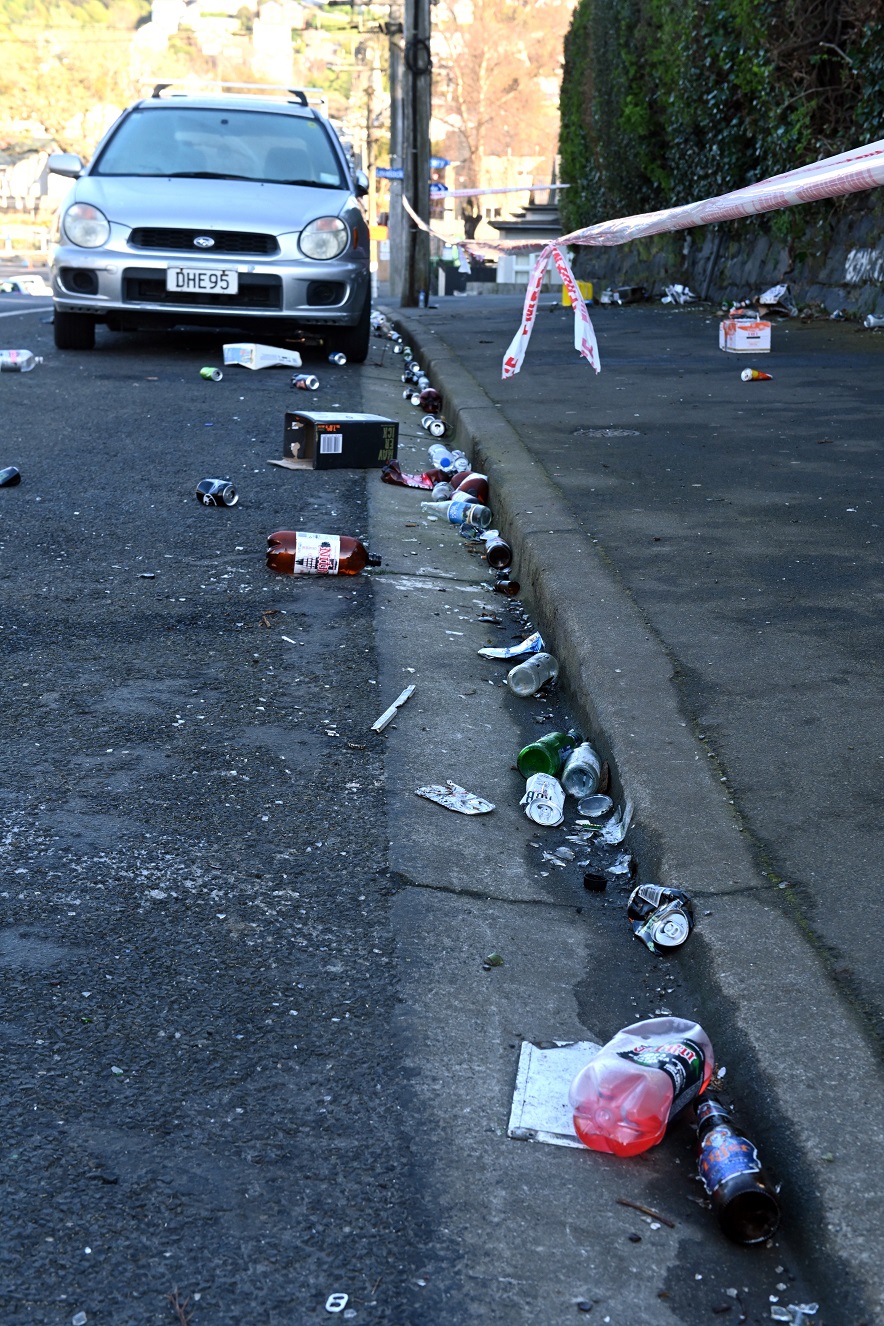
x=439, y=163
x=437, y=188
x=389, y=172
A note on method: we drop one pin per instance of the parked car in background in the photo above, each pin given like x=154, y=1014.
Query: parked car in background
x=24, y=285
x=224, y=210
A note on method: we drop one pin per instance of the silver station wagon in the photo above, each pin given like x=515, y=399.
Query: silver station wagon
x=229, y=211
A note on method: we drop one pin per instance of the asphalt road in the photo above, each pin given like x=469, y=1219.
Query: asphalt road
x=251, y=1052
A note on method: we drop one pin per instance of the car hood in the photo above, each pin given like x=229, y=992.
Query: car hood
x=242, y=205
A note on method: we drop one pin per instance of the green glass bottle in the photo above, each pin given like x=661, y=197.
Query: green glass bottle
x=547, y=754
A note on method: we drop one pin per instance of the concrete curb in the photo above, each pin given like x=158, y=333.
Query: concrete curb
x=808, y=1076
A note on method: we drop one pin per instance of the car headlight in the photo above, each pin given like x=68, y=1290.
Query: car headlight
x=86, y=227
x=326, y=237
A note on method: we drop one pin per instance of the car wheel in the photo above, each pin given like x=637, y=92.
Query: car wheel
x=73, y=331
x=354, y=341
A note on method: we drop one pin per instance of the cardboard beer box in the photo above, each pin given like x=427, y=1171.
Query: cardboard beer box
x=331, y=440
x=744, y=336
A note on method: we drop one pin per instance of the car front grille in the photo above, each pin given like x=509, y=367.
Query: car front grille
x=255, y=292
x=226, y=241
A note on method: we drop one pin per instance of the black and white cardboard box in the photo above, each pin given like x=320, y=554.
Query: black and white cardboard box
x=327, y=440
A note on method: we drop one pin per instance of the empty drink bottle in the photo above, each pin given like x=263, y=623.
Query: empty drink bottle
x=9, y=477
x=742, y=1196
x=583, y=767
x=468, y=481
x=18, y=361
x=498, y=553
x=624, y=1097
x=528, y=677
x=441, y=492
x=547, y=754
x=441, y=457
x=460, y=511
x=295, y=552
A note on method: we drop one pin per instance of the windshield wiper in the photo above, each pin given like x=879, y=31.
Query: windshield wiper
x=206, y=175
x=309, y=184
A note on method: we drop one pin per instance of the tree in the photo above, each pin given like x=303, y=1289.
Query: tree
x=496, y=72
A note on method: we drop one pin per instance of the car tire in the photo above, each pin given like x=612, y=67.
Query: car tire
x=354, y=341
x=73, y=331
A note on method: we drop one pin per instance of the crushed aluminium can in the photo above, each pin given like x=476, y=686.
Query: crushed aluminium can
x=660, y=917
x=305, y=382
x=544, y=800
x=217, y=492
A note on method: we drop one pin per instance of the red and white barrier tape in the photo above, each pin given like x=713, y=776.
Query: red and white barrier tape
x=833, y=177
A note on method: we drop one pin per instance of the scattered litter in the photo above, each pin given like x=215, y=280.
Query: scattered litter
x=392, y=473
x=305, y=382
x=456, y=798
x=624, y=294
x=547, y=754
x=874, y=320
x=662, y=918
x=117, y=1072
x=18, y=361
x=580, y=776
x=147, y=575
x=742, y=335
x=211, y=374
x=755, y=375
x=9, y=477
x=544, y=800
x=533, y=645
x=526, y=679
x=658, y=1065
x=337, y=357
x=616, y=829
x=742, y=1197
x=389, y=714
x=680, y=294
x=796, y=1313
x=493, y=960
x=778, y=299
x=298, y=552
x=540, y=1111
x=217, y=492
x=646, y=1210
x=250, y=355
x=79, y=1319
x=553, y=859
x=336, y=1302
x=595, y=806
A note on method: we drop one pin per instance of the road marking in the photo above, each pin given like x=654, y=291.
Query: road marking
x=14, y=313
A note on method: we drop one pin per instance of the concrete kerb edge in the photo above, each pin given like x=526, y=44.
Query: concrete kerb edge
x=564, y=583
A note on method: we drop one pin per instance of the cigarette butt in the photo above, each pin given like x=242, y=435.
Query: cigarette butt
x=755, y=375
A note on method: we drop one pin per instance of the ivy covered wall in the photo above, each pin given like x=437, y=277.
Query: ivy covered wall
x=667, y=101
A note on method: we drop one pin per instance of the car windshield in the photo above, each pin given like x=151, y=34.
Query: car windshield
x=199, y=143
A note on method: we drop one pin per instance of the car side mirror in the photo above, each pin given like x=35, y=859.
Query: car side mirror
x=65, y=163
x=361, y=184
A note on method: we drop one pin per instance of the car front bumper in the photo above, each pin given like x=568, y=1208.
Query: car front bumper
x=129, y=287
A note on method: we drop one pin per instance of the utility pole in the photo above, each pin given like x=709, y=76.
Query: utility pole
x=397, y=217
x=417, y=90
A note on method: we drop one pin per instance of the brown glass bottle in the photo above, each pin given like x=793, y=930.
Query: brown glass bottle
x=498, y=553
x=297, y=552
x=741, y=1194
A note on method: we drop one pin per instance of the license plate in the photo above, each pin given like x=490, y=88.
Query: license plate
x=202, y=280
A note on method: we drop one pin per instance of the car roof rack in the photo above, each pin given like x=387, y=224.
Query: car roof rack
x=305, y=96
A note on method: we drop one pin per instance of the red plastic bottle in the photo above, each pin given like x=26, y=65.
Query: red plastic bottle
x=298, y=553
x=624, y=1097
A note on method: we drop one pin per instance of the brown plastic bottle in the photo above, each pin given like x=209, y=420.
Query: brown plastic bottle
x=298, y=553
